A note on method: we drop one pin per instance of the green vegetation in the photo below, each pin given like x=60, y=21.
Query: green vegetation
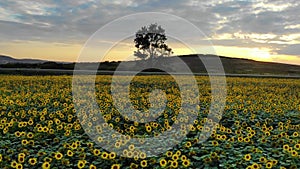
x=39, y=125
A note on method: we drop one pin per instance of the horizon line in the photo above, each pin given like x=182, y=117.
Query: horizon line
x=215, y=55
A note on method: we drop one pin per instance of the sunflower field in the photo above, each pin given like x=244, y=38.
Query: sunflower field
x=41, y=128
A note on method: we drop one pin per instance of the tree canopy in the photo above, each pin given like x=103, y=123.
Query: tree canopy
x=150, y=43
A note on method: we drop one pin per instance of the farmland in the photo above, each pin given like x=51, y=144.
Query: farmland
x=41, y=128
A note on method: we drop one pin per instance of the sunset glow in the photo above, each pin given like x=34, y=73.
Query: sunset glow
x=57, y=31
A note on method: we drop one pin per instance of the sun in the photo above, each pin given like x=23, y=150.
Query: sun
x=260, y=54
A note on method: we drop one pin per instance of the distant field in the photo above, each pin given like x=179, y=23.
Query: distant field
x=40, y=127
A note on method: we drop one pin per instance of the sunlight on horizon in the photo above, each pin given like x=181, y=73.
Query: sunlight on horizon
x=258, y=54
x=123, y=51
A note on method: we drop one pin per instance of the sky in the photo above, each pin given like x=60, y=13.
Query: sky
x=265, y=30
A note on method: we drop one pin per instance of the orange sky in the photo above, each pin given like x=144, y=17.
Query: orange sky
x=124, y=51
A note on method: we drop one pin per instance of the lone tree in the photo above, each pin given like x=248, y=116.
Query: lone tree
x=150, y=43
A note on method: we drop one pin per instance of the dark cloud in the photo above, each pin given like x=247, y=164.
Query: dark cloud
x=290, y=50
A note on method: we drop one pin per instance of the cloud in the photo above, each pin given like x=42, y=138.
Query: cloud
x=290, y=50
x=86, y=16
x=252, y=23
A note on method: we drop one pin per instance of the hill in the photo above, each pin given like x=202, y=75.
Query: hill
x=231, y=65
x=244, y=66
x=10, y=60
